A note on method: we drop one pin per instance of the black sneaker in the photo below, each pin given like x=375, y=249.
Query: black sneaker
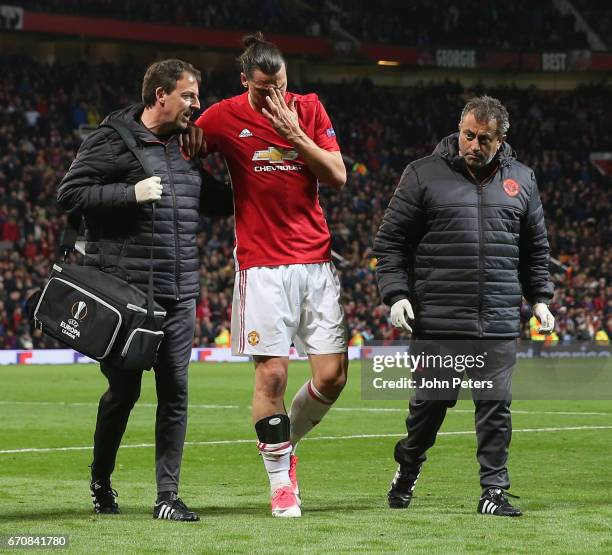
x=103, y=497
x=494, y=501
x=174, y=509
x=402, y=486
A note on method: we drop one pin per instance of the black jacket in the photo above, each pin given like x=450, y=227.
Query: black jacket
x=100, y=186
x=463, y=253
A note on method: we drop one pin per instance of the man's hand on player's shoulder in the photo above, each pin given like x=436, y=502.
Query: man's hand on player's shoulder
x=282, y=116
x=192, y=141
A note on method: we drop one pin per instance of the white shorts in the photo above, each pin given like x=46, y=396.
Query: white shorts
x=274, y=307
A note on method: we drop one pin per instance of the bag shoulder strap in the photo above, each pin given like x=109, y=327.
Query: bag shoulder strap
x=137, y=150
x=132, y=143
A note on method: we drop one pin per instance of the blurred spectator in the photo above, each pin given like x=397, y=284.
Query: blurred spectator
x=517, y=25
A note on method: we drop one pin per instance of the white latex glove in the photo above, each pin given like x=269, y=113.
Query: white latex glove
x=148, y=190
x=547, y=320
x=400, y=311
x=79, y=245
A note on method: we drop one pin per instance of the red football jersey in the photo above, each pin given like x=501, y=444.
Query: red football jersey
x=277, y=212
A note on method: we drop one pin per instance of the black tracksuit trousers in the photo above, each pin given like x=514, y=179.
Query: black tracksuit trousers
x=492, y=419
x=171, y=386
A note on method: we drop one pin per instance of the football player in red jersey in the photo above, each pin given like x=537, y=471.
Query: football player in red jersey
x=278, y=147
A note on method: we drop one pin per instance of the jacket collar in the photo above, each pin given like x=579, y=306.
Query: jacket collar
x=131, y=117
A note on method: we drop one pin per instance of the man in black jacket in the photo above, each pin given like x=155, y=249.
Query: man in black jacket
x=462, y=240
x=107, y=186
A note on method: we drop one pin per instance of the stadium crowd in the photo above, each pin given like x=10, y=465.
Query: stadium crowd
x=380, y=130
x=461, y=23
x=518, y=25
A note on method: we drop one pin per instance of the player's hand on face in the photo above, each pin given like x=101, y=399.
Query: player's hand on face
x=192, y=141
x=282, y=116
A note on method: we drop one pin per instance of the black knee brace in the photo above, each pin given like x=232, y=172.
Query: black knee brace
x=273, y=429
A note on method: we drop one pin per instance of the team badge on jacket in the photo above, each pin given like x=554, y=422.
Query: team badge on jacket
x=511, y=187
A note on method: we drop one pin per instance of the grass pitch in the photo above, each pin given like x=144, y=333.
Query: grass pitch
x=559, y=464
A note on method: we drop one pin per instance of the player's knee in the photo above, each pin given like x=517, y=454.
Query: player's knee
x=272, y=380
x=334, y=379
x=334, y=382
x=273, y=387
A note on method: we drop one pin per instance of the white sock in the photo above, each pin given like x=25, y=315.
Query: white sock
x=308, y=408
x=276, y=460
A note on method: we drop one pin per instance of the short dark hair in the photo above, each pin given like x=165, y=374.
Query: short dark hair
x=260, y=54
x=485, y=109
x=165, y=74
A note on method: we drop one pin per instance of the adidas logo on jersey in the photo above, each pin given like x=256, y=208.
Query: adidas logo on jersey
x=245, y=133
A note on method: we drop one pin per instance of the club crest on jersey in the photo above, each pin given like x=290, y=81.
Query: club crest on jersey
x=274, y=155
x=253, y=338
x=511, y=187
x=245, y=133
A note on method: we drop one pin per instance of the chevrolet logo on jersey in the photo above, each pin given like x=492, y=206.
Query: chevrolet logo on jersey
x=277, y=158
x=274, y=155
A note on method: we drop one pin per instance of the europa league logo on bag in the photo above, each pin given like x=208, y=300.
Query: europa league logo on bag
x=79, y=310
